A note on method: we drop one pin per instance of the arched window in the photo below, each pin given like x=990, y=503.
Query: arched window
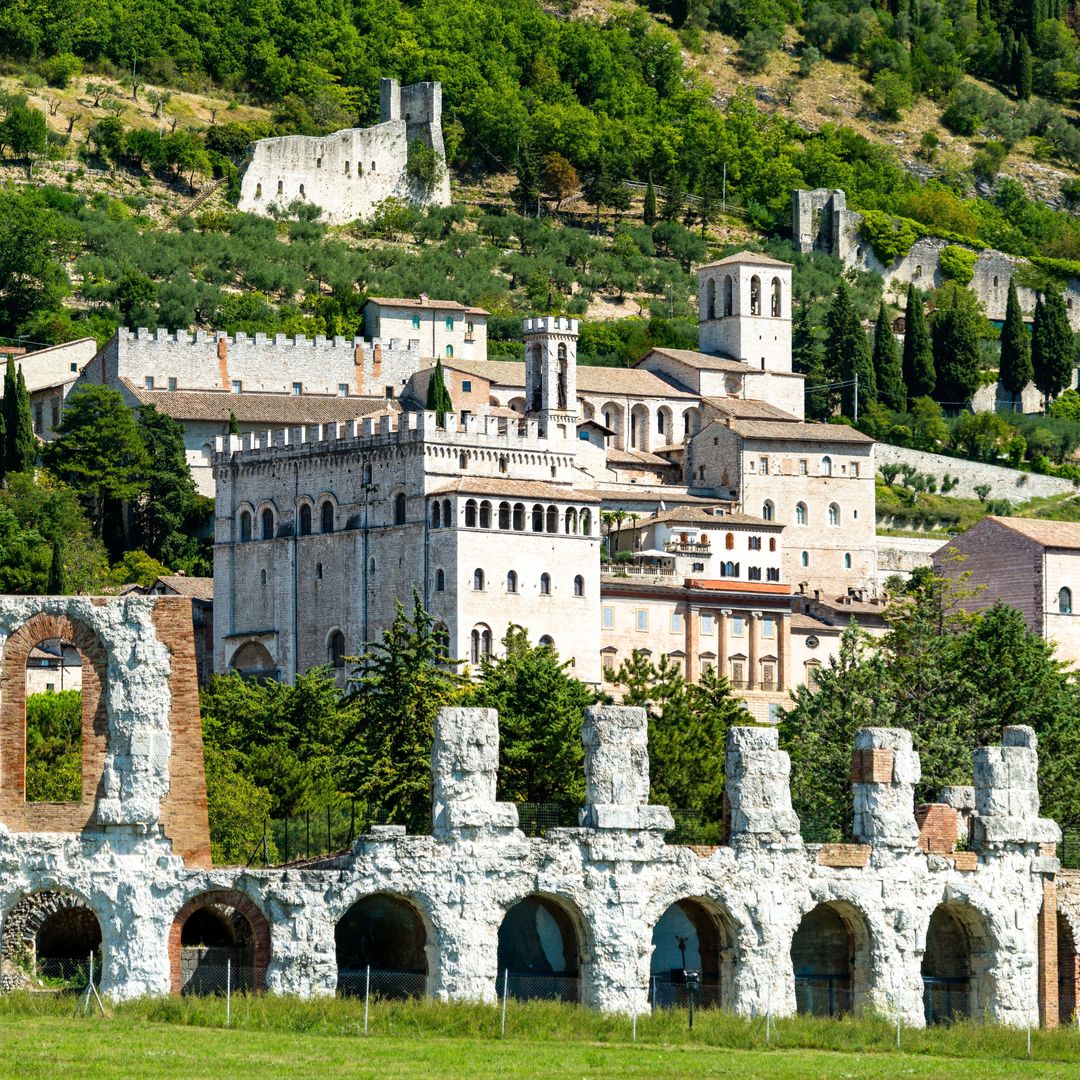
x=463, y=461
x=772, y=543
x=547, y=641
x=478, y=580
x=504, y=463
x=570, y=520
x=304, y=527
x=586, y=522
x=710, y=299
x=399, y=508
x=470, y=514
x=447, y=517
x=729, y=306
x=552, y=519
x=729, y=541
x=755, y=295
x=485, y=515
x=449, y=350
x=767, y=510
x=727, y=569
x=326, y=511
x=519, y=517
x=579, y=585
x=481, y=643
x=504, y=515
x=826, y=466
x=335, y=650
x=245, y=525
x=1065, y=601
x=800, y=513
x=545, y=584
x=440, y=581
x=268, y=524
x=834, y=514
x=262, y=577
x=537, y=518
x=847, y=560
x=805, y=559
x=436, y=515
x=511, y=582
x=776, y=298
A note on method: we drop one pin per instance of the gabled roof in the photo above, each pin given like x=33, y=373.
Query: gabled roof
x=801, y=431
x=754, y=258
x=425, y=303
x=748, y=409
x=197, y=588
x=694, y=515
x=1051, y=534
x=636, y=457
x=693, y=358
x=591, y=379
x=519, y=489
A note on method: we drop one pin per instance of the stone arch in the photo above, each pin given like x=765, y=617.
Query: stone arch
x=665, y=427
x=639, y=427
x=389, y=933
x=830, y=960
x=212, y=928
x=49, y=933
x=612, y=415
x=542, y=948
x=710, y=938
x=253, y=659
x=710, y=298
x=691, y=422
x=728, y=295
x=957, y=965
x=776, y=301
x=63, y=817
x=755, y=295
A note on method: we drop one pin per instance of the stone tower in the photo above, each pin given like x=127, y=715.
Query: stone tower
x=551, y=372
x=744, y=310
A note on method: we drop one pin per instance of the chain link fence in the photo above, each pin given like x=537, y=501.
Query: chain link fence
x=67, y=972
x=1069, y=848
x=525, y=986
x=823, y=995
x=666, y=992
x=946, y=1000
x=219, y=980
x=389, y=985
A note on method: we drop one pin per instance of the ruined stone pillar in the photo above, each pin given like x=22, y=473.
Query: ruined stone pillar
x=464, y=770
x=884, y=772
x=1007, y=792
x=757, y=775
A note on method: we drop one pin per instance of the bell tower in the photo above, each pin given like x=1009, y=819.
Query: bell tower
x=551, y=373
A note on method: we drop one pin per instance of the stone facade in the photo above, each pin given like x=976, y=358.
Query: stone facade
x=347, y=174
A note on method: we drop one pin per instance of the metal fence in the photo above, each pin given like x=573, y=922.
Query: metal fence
x=668, y=993
x=219, y=980
x=1067, y=998
x=535, y=819
x=823, y=995
x=946, y=1000
x=1069, y=848
x=525, y=986
x=74, y=971
x=389, y=985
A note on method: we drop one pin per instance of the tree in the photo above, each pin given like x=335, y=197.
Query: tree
x=54, y=746
x=558, y=178
x=424, y=167
x=239, y=811
x=20, y=445
x=438, y=397
x=1051, y=346
x=955, y=332
x=98, y=451
x=234, y=425
x=847, y=353
x=807, y=358
x=400, y=683
x=540, y=708
x=1014, y=370
x=920, y=377
x=888, y=373
x=1025, y=69
x=649, y=209
x=25, y=131
x=24, y=557
x=57, y=577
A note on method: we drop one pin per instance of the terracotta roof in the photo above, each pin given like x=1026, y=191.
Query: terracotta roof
x=254, y=408
x=748, y=409
x=520, y=489
x=849, y=605
x=701, y=361
x=1054, y=534
x=695, y=515
x=425, y=303
x=755, y=258
x=801, y=431
x=197, y=588
x=637, y=493
x=636, y=457
x=799, y=621
x=591, y=379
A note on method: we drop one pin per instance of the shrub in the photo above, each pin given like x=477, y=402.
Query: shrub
x=892, y=93
x=59, y=70
x=988, y=161
x=957, y=264
x=890, y=237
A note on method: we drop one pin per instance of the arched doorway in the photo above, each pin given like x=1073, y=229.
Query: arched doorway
x=955, y=967
x=384, y=935
x=1068, y=971
x=219, y=939
x=830, y=961
x=253, y=661
x=540, y=950
x=48, y=940
x=692, y=935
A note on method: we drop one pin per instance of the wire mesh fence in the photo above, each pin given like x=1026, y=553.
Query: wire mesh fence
x=1069, y=848
x=823, y=995
x=1067, y=998
x=527, y=986
x=72, y=972
x=668, y=993
x=536, y=819
x=381, y=983
x=218, y=980
x=946, y=1000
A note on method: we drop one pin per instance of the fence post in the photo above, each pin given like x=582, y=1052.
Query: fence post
x=506, y=981
x=367, y=995
x=228, y=991
x=768, y=1016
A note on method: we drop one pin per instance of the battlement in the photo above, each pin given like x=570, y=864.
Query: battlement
x=260, y=340
x=551, y=324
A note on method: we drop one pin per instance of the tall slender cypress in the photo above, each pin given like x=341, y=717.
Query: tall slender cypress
x=888, y=373
x=847, y=353
x=24, y=446
x=649, y=210
x=57, y=576
x=1014, y=370
x=438, y=397
x=1051, y=346
x=920, y=375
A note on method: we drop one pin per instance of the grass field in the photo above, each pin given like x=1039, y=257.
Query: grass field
x=280, y=1037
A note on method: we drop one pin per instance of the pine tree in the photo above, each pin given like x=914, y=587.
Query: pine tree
x=956, y=327
x=1051, y=346
x=438, y=397
x=920, y=376
x=1025, y=70
x=847, y=353
x=649, y=211
x=1014, y=369
x=888, y=374
x=57, y=576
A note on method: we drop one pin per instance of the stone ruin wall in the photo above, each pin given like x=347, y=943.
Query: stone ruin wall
x=135, y=854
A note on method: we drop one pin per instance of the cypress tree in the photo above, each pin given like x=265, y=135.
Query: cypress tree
x=920, y=376
x=888, y=374
x=438, y=397
x=57, y=577
x=234, y=425
x=847, y=353
x=649, y=212
x=807, y=359
x=956, y=345
x=1051, y=346
x=22, y=441
x=1014, y=370
x=1025, y=71
x=1007, y=71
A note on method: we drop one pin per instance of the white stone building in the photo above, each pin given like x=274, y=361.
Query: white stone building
x=442, y=328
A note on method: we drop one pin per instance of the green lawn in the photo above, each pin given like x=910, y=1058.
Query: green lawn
x=281, y=1038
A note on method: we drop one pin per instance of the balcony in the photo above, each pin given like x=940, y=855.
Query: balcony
x=470, y=339
x=680, y=547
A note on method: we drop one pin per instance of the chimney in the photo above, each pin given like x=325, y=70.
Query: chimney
x=817, y=594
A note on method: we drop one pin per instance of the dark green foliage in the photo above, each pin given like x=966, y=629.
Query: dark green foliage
x=23, y=131
x=20, y=445
x=847, y=353
x=234, y=426
x=438, y=397
x=54, y=746
x=1051, y=345
x=24, y=557
x=956, y=327
x=649, y=209
x=808, y=358
x=238, y=809
x=1014, y=370
x=540, y=704
x=57, y=576
x=920, y=376
x=1025, y=70
x=888, y=374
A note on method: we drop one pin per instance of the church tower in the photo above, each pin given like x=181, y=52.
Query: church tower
x=744, y=310
x=551, y=373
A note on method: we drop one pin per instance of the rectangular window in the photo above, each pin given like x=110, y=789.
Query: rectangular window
x=469, y=327
x=754, y=543
x=297, y=389
x=854, y=468
x=737, y=625
x=752, y=465
x=774, y=713
x=773, y=573
x=753, y=573
x=643, y=618
x=706, y=625
x=74, y=367
x=389, y=393
x=416, y=322
x=237, y=386
x=764, y=466
x=342, y=389
x=608, y=618
x=172, y=383
x=148, y=382
x=768, y=627
x=802, y=466
x=466, y=386
x=676, y=622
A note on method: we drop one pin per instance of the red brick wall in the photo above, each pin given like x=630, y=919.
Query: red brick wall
x=937, y=827
x=1047, y=930
x=226, y=898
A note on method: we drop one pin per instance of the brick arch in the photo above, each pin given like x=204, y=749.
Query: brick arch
x=239, y=902
x=15, y=811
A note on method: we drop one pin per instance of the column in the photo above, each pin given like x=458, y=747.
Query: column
x=783, y=651
x=690, y=639
x=752, y=631
x=722, y=630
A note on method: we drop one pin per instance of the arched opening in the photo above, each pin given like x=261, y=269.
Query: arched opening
x=768, y=510
x=956, y=965
x=447, y=517
x=800, y=513
x=585, y=522
x=440, y=581
x=470, y=514
x=1065, y=600
x=545, y=584
x=692, y=935
x=245, y=525
x=537, y=518
x=834, y=515
x=710, y=298
x=385, y=934
x=755, y=295
x=775, y=307
x=485, y=515
x=728, y=296
x=511, y=582
x=253, y=661
x=268, y=524
x=49, y=938
x=54, y=723
x=826, y=466
x=639, y=428
x=830, y=960
x=540, y=950
x=552, y=519
x=519, y=517
x=612, y=415
x=579, y=585
x=436, y=515
x=335, y=651
x=218, y=938
x=1068, y=971
x=478, y=580
x=303, y=527
x=561, y=375
x=570, y=521
x=664, y=426
x=535, y=379
x=480, y=644
x=546, y=641
x=504, y=515
x=326, y=512
x=399, y=508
